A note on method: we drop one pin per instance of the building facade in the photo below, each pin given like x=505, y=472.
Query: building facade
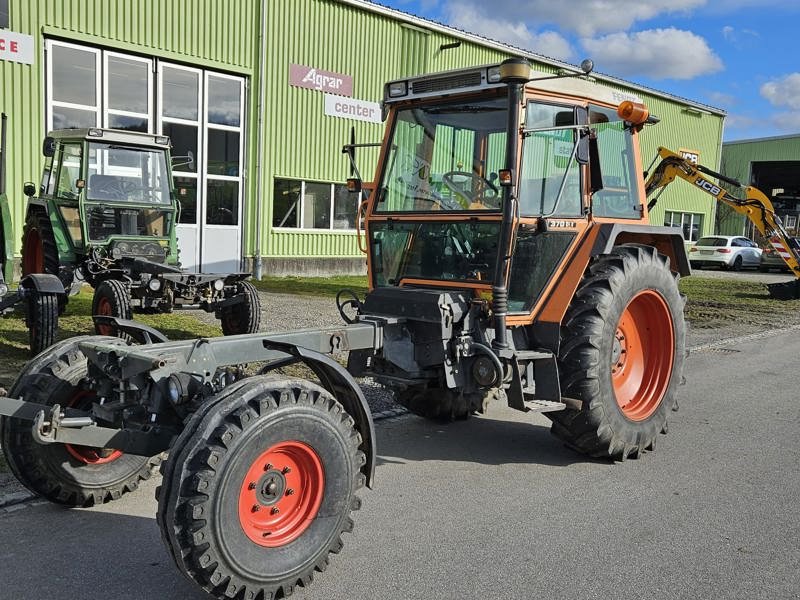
x=773, y=166
x=258, y=97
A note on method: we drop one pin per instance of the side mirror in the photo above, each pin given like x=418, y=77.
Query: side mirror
x=49, y=147
x=582, y=155
x=29, y=189
x=353, y=185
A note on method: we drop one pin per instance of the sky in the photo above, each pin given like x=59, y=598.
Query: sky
x=742, y=56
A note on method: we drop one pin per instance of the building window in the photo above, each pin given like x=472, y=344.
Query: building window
x=313, y=205
x=73, y=83
x=691, y=224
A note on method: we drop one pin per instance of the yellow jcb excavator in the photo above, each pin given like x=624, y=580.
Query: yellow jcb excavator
x=755, y=205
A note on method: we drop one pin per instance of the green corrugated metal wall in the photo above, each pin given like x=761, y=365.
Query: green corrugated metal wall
x=299, y=141
x=196, y=32
x=737, y=158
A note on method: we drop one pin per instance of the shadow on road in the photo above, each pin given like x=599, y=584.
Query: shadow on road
x=51, y=552
x=502, y=437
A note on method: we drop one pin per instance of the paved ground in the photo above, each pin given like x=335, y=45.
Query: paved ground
x=495, y=507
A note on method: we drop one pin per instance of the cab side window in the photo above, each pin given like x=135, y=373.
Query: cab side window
x=69, y=171
x=619, y=197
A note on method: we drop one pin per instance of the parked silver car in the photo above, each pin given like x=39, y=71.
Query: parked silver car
x=725, y=251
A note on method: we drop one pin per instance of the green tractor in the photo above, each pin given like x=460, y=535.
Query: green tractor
x=37, y=294
x=105, y=215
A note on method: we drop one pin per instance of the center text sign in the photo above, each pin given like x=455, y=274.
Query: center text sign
x=350, y=108
x=322, y=81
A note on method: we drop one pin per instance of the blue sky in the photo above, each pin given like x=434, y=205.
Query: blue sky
x=739, y=55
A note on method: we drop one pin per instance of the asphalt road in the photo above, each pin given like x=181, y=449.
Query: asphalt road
x=497, y=508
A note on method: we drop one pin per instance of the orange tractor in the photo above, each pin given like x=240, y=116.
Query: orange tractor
x=510, y=257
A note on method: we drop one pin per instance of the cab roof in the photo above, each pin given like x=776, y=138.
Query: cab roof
x=114, y=136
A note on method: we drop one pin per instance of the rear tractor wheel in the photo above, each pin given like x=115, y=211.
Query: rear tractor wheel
x=244, y=316
x=259, y=488
x=64, y=473
x=112, y=299
x=622, y=354
x=39, y=252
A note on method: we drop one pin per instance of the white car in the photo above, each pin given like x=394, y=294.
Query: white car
x=725, y=251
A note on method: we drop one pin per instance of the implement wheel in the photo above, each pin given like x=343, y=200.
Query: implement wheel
x=259, y=487
x=245, y=316
x=622, y=353
x=111, y=298
x=63, y=473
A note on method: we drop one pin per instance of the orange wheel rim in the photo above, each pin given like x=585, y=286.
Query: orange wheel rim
x=281, y=494
x=105, y=309
x=33, y=254
x=642, y=355
x=87, y=454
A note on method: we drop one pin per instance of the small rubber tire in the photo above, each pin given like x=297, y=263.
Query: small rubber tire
x=245, y=316
x=208, y=474
x=111, y=298
x=626, y=386
x=41, y=318
x=67, y=475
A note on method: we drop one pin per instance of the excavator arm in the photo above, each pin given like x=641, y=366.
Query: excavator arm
x=755, y=205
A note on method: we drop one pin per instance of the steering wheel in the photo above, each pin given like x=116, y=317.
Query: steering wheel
x=482, y=186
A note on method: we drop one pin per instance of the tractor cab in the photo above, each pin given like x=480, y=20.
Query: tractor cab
x=110, y=193
x=458, y=163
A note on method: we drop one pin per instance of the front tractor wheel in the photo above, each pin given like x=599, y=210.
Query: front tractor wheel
x=111, y=299
x=63, y=473
x=622, y=353
x=41, y=318
x=244, y=316
x=259, y=488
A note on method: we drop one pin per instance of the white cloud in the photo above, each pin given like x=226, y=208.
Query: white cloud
x=547, y=43
x=655, y=53
x=784, y=91
x=587, y=18
x=728, y=33
x=721, y=99
x=787, y=121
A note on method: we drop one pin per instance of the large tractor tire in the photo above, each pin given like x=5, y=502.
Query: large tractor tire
x=63, y=473
x=259, y=488
x=111, y=299
x=39, y=252
x=41, y=318
x=245, y=316
x=622, y=354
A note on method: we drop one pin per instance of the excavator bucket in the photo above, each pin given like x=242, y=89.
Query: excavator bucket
x=787, y=290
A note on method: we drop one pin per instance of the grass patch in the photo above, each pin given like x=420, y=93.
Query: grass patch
x=313, y=286
x=715, y=303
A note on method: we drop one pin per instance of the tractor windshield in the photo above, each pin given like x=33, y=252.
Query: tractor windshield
x=127, y=192
x=445, y=157
x=126, y=174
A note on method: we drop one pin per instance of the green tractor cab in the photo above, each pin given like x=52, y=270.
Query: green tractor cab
x=105, y=214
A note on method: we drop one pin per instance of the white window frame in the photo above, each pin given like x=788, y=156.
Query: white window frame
x=302, y=206
x=124, y=113
x=199, y=159
x=236, y=128
x=50, y=45
x=679, y=223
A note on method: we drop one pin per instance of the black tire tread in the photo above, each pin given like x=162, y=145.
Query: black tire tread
x=206, y=434
x=39, y=379
x=41, y=315
x=243, y=317
x=118, y=296
x=592, y=430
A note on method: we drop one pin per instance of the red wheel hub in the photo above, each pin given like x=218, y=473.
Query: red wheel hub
x=642, y=355
x=33, y=253
x=104, y=308
x=281, y=494
x=87, y=454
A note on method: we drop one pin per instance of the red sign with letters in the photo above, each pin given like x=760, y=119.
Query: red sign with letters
x=322, y=81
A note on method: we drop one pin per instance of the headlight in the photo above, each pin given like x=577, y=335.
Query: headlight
x=398, y=88
x=174, y=389
x=154, y=284
x=493, y=74
x=219, y=284
x=116, y=252
x=3, y=289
